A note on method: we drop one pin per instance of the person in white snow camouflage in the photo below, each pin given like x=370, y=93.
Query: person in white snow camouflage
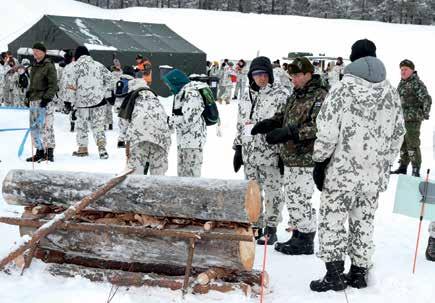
x=66, y=95
x=261, y=160
x=281, y=76
x=360, y=130
x=188, y=121
x=241, y=71
x=119, y=73
x=92, y=82
x=148, y=136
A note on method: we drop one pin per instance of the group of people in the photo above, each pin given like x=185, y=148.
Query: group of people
x=294, y=133
x=14, y=80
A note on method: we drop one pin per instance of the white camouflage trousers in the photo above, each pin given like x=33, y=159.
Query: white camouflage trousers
x=432, y=229
x=270, y=181
x=123, y=127
x=336, y=207
x=108, y=114
x=92, y=118
x=42, y=133
x=189, y=162
x=299, y=188
x=148, y=154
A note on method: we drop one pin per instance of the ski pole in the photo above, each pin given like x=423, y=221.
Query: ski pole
x=423, y=201
x=266, y=238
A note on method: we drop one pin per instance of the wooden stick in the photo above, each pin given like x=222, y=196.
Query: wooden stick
x=28, y=259
x=188, y=265
x=57, y=221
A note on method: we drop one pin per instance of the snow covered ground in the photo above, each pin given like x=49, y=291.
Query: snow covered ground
x=232, y=35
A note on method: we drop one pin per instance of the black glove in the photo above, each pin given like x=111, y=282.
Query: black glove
x=67, y=108
x=281, y=166
x=282, y=135
x=238, y=159
x=319, y=173
x=28, y=94
x=265, y=126
x=177, y=112
x=44, y=102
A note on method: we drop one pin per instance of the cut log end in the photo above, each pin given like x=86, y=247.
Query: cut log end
x=253, y=201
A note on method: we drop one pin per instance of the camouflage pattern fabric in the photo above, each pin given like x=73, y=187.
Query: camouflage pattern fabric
x=65, y=94
x=300, y=112
x=241, y=82
x=123, y=128
x=11, y=94
x=410, y=150
x=298, y=189
x=432, y=229
x=42, y=133
x=189, y=162
x=416, y=101
x=92, y=81
x=147, y=152
x=336, y=207
x=43, y=80
x=282, y=77
x=360, y=127
x=92, y=118
x=267, y=101
x=190, y=126
x=270, y=181
x=149, y=119
x=108, y=114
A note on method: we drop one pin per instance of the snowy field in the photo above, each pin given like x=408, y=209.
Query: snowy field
x=232, y=35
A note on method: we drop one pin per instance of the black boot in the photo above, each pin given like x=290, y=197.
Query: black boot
x=110, y=126
x=270, y=233
x=302, y=245
x=73, y=125
x=401, y=170
x=280, y=245
x=357, y=277
x=430, y=250
x=50, y=156
x=40, y=155
x=333, y=280
x=416, y=171
x=121, y=144
x=258, y=232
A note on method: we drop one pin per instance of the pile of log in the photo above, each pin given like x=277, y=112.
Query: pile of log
x=189, y=233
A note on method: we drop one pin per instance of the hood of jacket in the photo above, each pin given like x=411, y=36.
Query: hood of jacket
x=368, y=68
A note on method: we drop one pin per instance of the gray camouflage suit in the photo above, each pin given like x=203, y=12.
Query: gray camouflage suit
x=191, y=130
x=260, y=158
x=92, y=81
x=148, y=133
x=360, y=128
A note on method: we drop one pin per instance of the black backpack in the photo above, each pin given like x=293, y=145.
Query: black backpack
x=210, y=113
x=127, y=106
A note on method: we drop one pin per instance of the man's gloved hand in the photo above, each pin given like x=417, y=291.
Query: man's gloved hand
x=282, y=135
x=177, y=112
x=426, y=116
x=238, y=159
x=319, y=173
x=67, y=107
x=44, y=102
x=265, y=126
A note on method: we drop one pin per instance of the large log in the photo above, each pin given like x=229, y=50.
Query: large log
x=176, y=197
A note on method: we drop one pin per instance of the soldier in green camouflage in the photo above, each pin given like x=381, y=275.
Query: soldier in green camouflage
x=294, y=128
x=416, y=103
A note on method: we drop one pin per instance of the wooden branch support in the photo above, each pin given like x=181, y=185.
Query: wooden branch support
x=191, y=251
x=52, y=225
x=29, y=257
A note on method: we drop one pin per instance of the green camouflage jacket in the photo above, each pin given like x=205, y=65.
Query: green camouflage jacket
x=43, y=80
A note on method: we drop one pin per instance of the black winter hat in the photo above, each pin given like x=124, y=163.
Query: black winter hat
x=40, y=46
x=81, y=51
x=260, y=63
x=362, y=48
x=407, y=63
x=129, y=70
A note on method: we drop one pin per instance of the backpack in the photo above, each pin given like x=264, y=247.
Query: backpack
x=121, y=89
x=23, y=81
x=210, y=113
x=127, y=106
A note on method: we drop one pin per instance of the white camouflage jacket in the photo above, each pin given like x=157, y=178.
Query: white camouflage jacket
x=360, y=127
x=267, y=101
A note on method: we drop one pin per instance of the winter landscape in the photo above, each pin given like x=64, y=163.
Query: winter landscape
x=231, y=35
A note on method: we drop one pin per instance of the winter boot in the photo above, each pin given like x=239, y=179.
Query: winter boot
x=121, y=144
x=334, y=278
x=302, y=245
x=357, y=277
x=40, y=155
x=430, y=250
x=82, y=152
x=270, y=232
x=280, y=245
x=50, y=156
x=416, y=171
x=258, y=232
x=103, y=153
x=73, y=125
x=110, y=126
x=401, y=170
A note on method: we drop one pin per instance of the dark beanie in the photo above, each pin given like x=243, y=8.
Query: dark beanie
x=407, y=63
x=362, y=48
x=81, y=51
x=260, y=63
x=40, y=46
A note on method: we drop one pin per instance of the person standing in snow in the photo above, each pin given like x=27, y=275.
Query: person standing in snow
x=294, y=127
x=66, y=95
x=91, y=81
x=360, y=130
x=188, y=121
x=42, y=89
x=261, y=160
x=281, y=76
x=416, y=104
x=241, y=71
